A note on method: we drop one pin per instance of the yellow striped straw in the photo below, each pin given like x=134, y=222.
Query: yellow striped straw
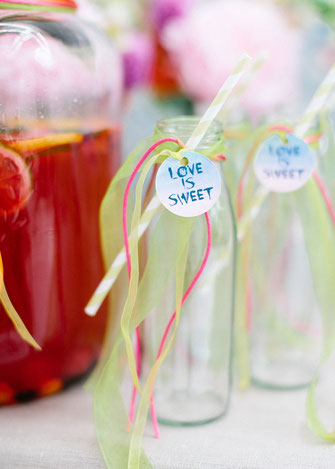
x=111, y=275
x=218, y=102
x=256, y=65
x=212, y=112
x=317, y=104
x=252, y=211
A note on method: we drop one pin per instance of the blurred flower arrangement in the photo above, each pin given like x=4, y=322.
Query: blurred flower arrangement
x=186, y=47
x=124, y=21
x=203, y=55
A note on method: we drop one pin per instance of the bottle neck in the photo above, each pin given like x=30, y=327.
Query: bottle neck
x=182, y=127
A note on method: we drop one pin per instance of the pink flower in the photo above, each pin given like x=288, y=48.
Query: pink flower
x=207, y=43
x=163, y=11
x=137, y=59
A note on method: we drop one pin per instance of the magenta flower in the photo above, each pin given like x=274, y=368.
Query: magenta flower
x=163, y=11
x=137, y=59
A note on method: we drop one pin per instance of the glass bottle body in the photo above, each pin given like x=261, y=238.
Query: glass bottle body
x=283, y=314
x=193, y=385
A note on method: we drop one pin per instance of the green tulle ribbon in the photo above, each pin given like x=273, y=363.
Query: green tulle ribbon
x=250, y=201
x=16, y=320
x=169, y=238
x=12, y=313
x=320, y=240
x=129, y=306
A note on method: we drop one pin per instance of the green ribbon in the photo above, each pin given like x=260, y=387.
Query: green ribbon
x=320, y=240
x=169, y=237
x=168, y=244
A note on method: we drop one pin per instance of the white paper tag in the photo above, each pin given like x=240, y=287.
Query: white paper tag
x=188, y=190
x=284, y=167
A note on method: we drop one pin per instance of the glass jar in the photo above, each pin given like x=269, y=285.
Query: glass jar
x=60, y=83
x=194, y=382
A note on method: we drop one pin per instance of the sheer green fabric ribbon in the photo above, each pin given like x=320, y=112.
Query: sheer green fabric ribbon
x=322, y=252
x=12, y=314
x=320, y=239
x=167, y=256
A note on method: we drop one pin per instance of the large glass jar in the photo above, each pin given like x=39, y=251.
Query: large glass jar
x=194, y=382
x=60, y=82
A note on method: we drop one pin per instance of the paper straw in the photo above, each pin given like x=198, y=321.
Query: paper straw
x=111, y=275
x=215, y=107
x=254, y=68
x=218, y=102
x=252, y=211
x=318, y=103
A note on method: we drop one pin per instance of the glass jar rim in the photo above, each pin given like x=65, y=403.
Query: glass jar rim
x=187, y=123
x=183, y=126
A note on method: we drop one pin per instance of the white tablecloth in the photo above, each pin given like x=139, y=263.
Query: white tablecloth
x=263, y=430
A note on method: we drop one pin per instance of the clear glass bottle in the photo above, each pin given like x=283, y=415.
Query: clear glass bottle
x=284, y=318
x=193, y=385
x=282, y=274
x=60, y=83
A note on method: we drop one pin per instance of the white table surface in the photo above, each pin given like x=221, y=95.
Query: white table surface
x=263, y=430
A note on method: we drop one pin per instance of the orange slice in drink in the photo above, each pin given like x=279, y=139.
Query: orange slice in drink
x=15, y=181
x=35, y=145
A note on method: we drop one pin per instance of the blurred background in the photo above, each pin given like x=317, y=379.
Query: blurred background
x=176, y=54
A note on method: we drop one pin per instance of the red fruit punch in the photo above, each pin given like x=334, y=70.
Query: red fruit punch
x=50, y=244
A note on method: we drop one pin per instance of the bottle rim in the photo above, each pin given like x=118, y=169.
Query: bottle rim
x=183, y=126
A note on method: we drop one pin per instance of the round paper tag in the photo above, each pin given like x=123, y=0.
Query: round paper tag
x=284, y=167
x=188, y=190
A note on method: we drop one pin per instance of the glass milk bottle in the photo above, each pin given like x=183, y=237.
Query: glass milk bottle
x=194, y=382
x=60, y=83
x=282, y=292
